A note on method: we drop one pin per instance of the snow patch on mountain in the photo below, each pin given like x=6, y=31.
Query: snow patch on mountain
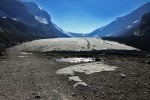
x=4, y=17
x=14, y=19
x=40, y=7
x=129, y=26
x=136, y=21
x=41, y=20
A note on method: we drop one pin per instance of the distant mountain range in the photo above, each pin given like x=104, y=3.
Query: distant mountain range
x=123, y=24
x=77, y=35
x=25, y=21
x=132, y=29
x=120, y=27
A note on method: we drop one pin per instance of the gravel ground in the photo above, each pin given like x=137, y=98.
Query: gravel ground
x=32, y=76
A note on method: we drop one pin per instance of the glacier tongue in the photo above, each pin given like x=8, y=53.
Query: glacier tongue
x=72, y=44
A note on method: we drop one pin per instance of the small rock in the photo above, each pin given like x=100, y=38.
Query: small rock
x=84, y=96
x=136, y=75
x=145, y=92
x=123, y=60
x=123, y=75
x=132, y=73
x=1, y=54
x=33, y=93
x=73, y=94
x=97, y=95
x=94, y=91
x=110, y=86
x=148, y=56
x=136, y=83
x=102, y=60
x=103, y=93
x=97, y=59
x=37, y=97
x=141, y=61
x=148, y=62
x=115, y=92
x=119, y=91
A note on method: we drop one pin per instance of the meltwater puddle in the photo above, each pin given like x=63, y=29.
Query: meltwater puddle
x=76, y=60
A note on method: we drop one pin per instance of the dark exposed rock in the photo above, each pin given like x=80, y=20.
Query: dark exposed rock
x=97, y=59
x=1, y=54
x=73, y=94
x=148, y=62
x=138, y=37
x=37, y=97
x=123, y=75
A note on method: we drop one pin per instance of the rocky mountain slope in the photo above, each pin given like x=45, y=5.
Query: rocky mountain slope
x=138, y=37
x=122, y=24
x=24, y=21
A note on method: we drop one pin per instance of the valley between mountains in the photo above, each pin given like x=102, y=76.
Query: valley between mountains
x=41, y=61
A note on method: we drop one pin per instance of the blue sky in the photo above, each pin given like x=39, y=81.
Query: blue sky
x=84, y=16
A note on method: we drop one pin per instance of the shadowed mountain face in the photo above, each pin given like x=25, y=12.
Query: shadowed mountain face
x=138, y=37
x=15, y=9
x=144, y=29
x=122, y=24
x=39, y=14
x=21, y=21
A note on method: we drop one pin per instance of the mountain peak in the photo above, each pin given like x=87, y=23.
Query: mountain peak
x=41, y=15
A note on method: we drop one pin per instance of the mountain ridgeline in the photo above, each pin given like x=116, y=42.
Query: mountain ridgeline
x=123, y=24
x=132, y=29
x=24, y=21
x=138, y=37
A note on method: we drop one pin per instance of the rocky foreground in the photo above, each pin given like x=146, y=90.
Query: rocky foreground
x=104, y=75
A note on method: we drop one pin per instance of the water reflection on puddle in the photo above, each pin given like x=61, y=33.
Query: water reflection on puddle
x=75, y=60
